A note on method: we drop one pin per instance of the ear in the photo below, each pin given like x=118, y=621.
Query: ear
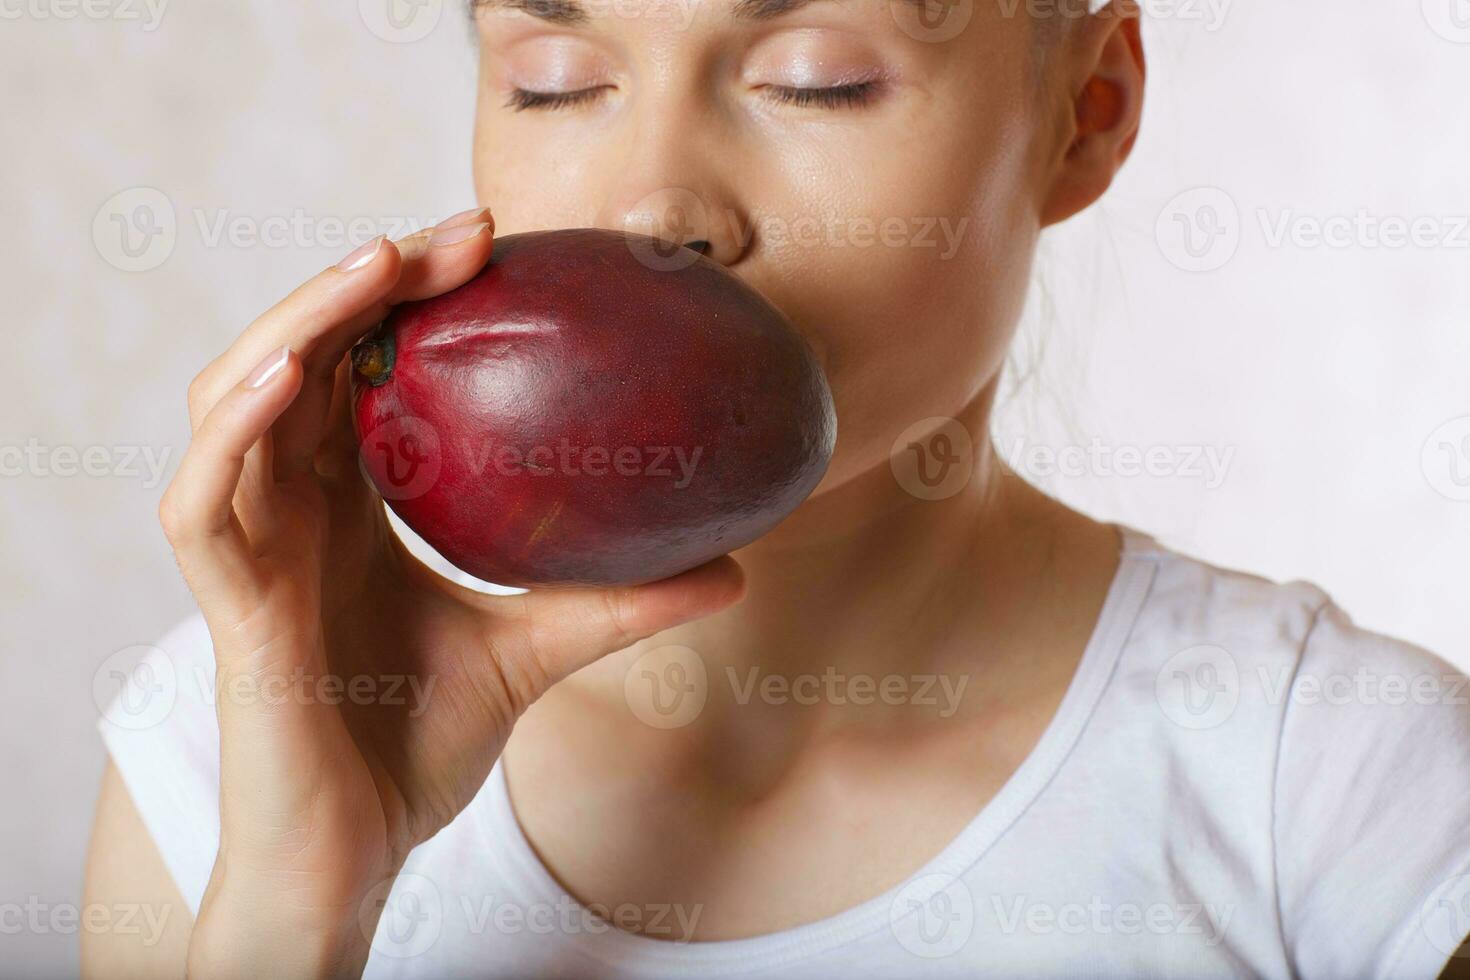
x=1103, y=103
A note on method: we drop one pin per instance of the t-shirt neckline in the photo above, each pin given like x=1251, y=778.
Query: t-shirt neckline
x=501, y=829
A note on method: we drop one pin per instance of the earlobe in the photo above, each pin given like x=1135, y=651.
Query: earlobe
x=1106, y=110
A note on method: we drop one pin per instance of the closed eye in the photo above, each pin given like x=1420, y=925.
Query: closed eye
x=849, y=96
x=522, y=99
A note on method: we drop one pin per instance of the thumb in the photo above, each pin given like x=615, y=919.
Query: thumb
x=567, y=629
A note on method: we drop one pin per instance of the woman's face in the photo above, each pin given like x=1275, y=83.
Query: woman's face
x=880, y=186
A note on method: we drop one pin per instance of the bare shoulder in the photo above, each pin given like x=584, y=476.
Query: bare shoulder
x=148, y=921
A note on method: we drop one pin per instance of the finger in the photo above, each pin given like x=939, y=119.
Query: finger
x=449, y=257
x=431, y=262
x=564, y=630
x=413, y=244
x=336, y=456
x=198, y=508
x=324, y=316
x=324, y=304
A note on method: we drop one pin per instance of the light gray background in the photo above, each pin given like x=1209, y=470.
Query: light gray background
x=1325, y=370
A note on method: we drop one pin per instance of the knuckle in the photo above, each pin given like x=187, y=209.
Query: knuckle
x=617, y=609
x=171, y=516
x=198, y=395
x=528, y=663
x=324, y=370
x=520, y=676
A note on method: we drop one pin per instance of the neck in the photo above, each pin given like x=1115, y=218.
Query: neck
x=997, y=587
x=866, y=577
x=855, y=568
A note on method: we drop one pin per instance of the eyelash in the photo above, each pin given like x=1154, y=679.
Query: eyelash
x=849, y=96
x=522, y=99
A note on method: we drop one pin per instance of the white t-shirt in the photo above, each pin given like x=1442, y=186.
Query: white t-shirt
x=1238, y=781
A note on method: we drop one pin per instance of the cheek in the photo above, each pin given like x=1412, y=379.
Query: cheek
x=899, y=244
x=909, y=274
x=531, y=184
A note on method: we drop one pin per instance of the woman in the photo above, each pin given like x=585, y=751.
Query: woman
x=937, y=724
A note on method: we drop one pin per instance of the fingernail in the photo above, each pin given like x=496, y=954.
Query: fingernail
x=453, y=236
x=268, y=368
x=361, y=255
x=455, y=219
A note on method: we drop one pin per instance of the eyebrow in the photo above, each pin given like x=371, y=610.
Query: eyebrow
x=552, y=11
x=766, y=9
x=569, y=12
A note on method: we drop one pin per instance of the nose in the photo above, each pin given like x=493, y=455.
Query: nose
x=699, y=221
x=669, y=176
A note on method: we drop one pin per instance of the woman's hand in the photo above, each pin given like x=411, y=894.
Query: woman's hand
x=362, y=698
